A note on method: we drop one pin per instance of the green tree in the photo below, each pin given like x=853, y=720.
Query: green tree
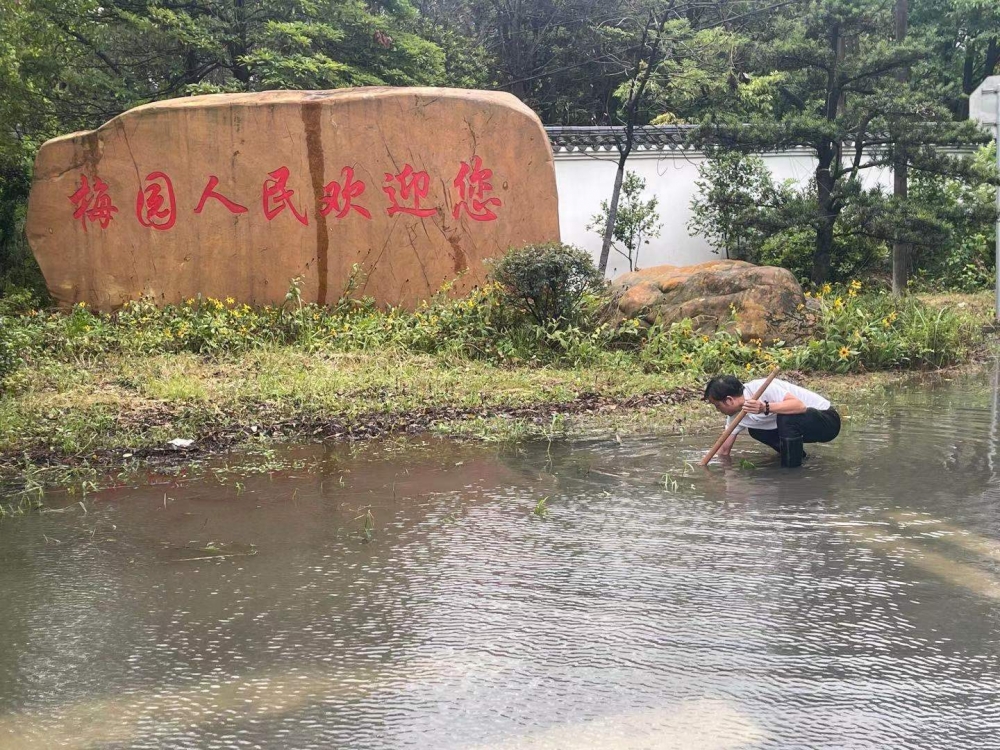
x=965, y=256
x=738, y=204
x=841, y=98
x=73, y=64
x=636, y=223
x=672, y=41
x=962, y=38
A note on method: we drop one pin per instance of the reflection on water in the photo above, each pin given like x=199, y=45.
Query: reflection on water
x=852, y=603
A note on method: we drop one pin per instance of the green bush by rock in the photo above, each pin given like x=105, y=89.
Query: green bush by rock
x=548, y=282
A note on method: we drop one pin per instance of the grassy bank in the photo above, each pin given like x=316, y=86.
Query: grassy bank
x=81, y=389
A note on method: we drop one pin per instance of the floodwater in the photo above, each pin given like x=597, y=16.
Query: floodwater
x=443, y=595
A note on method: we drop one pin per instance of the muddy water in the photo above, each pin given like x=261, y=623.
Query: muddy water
x=412, y=597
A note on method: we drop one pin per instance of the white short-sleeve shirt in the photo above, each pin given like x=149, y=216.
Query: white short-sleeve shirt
x=775, y=392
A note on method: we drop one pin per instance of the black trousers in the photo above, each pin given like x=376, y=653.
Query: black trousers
x=813, y=426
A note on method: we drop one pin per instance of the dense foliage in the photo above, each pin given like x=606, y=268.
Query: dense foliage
x=831, y=75
x=856, y=331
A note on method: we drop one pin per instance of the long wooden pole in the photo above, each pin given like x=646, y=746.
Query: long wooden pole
x=732, y=425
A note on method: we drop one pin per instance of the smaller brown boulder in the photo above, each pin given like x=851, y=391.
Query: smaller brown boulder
x=768, y=302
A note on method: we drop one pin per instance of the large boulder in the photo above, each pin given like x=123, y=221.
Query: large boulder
x=235, y=195
x=761, y=302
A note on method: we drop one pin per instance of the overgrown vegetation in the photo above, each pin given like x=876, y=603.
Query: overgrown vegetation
x=501, y=323
x=828, y=75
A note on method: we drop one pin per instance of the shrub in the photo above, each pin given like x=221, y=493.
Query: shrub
x=18, y=268
x=879, y=332
x=966, y=259
x=736, y=192
x=550, y=282
x=852, y=256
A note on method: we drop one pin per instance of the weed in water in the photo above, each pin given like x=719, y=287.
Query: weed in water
x=745, y=464
x=541, y=507
x=25, y=505
x=367, y=524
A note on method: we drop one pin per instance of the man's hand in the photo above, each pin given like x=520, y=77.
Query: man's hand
x=753, y=406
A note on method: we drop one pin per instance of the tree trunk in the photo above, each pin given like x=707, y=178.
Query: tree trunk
x=901, y=251
x=992, y=57
x=828, y=155
x=612, y=214
x=968, y=81
x=823, y=254
x=826, y=215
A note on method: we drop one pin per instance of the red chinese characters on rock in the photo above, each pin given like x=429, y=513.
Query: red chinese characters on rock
x=412, y=187
x=149, y=202
x=209, y=192
x=276, y=197
x=473, y=184
x=340, y=198
x=156, y=202
x=93, y=206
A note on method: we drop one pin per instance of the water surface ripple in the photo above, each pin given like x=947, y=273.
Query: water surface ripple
x=646, y=603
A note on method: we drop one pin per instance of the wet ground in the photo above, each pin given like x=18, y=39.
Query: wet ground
x=609, y=594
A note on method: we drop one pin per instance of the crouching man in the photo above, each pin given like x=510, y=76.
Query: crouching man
x=785, y=416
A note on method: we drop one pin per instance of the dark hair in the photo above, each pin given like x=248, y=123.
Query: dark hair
x=722, y=387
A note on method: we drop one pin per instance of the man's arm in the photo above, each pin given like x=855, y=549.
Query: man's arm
x=728, y=445
x=788, y=405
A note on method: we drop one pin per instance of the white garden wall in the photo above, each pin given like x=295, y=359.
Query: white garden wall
x=586, y=179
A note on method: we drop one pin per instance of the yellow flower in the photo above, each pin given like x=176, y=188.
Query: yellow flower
x=827, y=288
x=838, y=304
x=852, y=293
x=749, y=367
x=705, y=338
x=230, y=301
x=856, y=285
x=844, y=352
